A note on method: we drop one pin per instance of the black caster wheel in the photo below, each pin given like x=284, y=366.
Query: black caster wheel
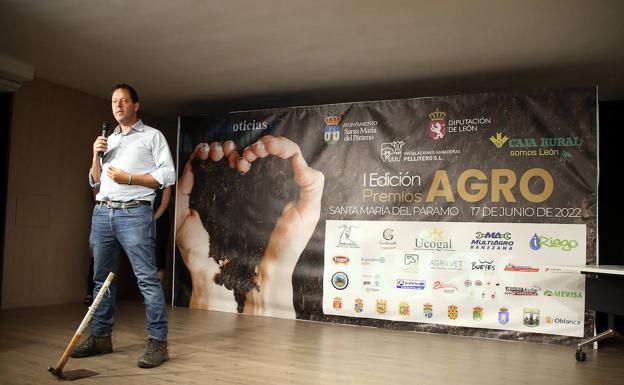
x=581, y=356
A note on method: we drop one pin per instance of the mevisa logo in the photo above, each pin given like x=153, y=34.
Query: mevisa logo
x=563, y=294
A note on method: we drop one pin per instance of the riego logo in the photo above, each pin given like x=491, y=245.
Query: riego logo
x=538, y=241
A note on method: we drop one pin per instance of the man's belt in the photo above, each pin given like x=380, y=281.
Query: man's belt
x=122, y=205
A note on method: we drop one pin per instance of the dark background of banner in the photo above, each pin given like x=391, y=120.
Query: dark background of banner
x=570, y=112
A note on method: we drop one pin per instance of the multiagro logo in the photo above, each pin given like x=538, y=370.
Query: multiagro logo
x=437, y=125
x=538, y=241
x=392, y=151
x=332, y=129
x=492, y=240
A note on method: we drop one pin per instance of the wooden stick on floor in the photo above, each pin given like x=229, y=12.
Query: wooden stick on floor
x=58, y=370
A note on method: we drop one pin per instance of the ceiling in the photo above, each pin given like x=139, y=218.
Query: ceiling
x=190, y=56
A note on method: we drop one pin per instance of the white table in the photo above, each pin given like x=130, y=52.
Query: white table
x=604, y=291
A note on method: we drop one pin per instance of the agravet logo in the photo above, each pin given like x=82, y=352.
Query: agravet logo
x=499, y=139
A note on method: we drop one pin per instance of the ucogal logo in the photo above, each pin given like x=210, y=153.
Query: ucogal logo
x=434, y=240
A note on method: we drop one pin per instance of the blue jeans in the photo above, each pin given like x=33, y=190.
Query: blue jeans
x=134, y=230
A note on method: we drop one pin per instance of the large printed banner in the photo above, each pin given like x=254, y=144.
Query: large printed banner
x=485, y=275
x=437, y=214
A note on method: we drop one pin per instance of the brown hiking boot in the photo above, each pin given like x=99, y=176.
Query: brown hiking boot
x=155, y=354
x=92, y=346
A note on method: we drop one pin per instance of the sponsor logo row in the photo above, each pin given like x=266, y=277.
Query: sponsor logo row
x=438, y=128
x=482, y=288
x=531, y=316
x=435, y=239
x=412, y=263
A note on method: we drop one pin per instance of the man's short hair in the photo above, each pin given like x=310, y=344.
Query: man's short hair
x=133, y=94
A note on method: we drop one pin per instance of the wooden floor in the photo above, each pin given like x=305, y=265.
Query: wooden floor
x=222, y=348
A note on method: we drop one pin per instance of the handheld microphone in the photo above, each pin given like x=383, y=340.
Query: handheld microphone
x=105, y=128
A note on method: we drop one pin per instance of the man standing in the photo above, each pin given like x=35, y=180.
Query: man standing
x=129, y=165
